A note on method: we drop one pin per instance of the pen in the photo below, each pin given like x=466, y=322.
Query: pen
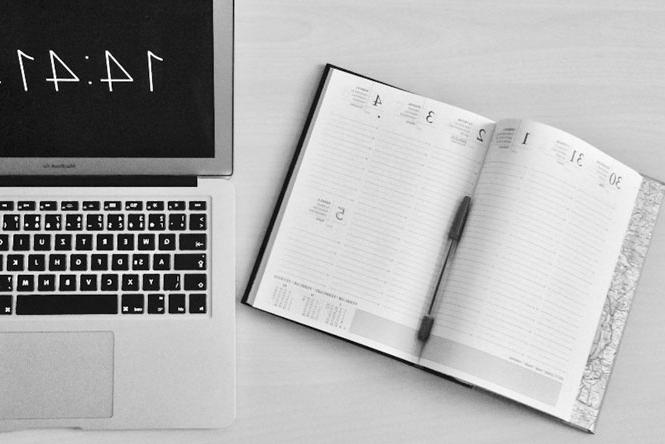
x=454, y=236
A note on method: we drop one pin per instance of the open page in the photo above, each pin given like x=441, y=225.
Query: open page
x=357, y=243
x=525, y=292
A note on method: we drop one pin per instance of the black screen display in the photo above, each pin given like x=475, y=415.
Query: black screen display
x=106, y=78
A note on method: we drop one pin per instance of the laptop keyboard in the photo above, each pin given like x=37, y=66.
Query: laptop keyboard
x=144, y=257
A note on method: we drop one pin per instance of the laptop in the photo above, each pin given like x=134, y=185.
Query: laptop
x=117, y=283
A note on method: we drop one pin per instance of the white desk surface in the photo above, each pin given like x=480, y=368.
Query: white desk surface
x=596, y=69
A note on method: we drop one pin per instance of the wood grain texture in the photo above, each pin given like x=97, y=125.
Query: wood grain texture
x=593, y=68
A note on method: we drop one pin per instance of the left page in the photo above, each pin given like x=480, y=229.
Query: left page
x=357, y=243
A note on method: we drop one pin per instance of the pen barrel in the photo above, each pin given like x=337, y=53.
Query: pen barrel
x=425, y=329
x=457, y=227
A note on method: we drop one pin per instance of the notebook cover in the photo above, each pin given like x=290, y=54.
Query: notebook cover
x=617, y=305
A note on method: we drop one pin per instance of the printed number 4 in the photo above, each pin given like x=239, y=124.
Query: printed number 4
x=55, y=79
x=110, y=79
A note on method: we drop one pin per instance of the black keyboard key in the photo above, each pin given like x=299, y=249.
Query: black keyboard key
x=156, y=303
x=115, y=222
x=109, y=282
x=167, y=242
x=99, y=262
x=132, y=304
x=88, y=282
x=27, y=205
x=105, y=242
x=133, y=205
x=21, y=242
x=130, y=282
x=177, y=303
x=157, y=222
x=176, y=205
x=15, y=262
x=46, y=282
x=11, y=222
x=193, y=242
x=150, y=282
x=112, y=205
x=89, y=205
x=32, y=222
x=67, y=304
x=67, y=282
x=1, y=261
x=171, y=282
x=125, y=242
x=57, y=262
x=154, y=206
x=36, y=262
x=197, y=206
x=41, y=242
x=4, y=242
x=120, y=262
x=140, y=262
x=177, y=222
x=84, y=242
x=146, y=242
x=197, y=303
x=94, y=222
x=69, y=206
x=52, y=222
x=197, y=222
x=161, y=262
x=195, y=282
x=78, y=262
x=189, y=262
x=6, y=283
x=25, y=283
x=5, y=305
x=63, y=242
x=73, y=222
x=135, y=222
x=6, y=205
x=48, y=205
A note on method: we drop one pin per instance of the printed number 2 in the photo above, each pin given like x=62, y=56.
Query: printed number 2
x=481, y=134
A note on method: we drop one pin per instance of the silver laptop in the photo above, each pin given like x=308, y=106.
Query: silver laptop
x=116, y=214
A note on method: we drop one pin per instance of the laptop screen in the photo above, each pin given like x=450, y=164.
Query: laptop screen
x=107, y=78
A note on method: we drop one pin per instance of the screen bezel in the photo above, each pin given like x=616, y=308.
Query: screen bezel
x=219, y=165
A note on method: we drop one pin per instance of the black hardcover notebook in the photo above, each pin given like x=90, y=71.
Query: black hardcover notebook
x=536, y=298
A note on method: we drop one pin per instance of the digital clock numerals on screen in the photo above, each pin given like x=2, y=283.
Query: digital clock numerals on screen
x=62, y=73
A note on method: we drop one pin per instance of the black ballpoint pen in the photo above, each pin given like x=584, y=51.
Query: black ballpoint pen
x=454, y=236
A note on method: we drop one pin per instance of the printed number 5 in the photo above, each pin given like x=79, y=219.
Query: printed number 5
x=340, y=213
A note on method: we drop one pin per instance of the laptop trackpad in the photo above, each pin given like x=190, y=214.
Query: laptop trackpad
x=56, y=375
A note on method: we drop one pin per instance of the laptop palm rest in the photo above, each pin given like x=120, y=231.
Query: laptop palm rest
x=56, y=375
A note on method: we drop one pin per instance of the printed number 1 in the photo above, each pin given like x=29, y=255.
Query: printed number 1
x=152, y=55
x=22, y=55
x=526, y=137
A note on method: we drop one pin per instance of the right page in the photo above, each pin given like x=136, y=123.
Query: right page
x=523, y=297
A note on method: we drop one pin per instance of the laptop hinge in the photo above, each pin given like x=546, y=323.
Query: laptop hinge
x=98, y=181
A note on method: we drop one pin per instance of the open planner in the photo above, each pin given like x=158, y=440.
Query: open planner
x=536, y=297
